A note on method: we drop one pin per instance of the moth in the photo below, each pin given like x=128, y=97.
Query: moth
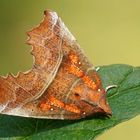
x=62, y=84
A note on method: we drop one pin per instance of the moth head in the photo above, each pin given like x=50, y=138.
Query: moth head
x=92, y=101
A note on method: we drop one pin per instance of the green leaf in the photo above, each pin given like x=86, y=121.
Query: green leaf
x=124, y=101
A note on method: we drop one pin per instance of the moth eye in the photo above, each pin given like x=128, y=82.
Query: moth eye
x=77, y=95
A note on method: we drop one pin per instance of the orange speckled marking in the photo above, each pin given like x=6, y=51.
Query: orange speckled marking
x=56, y=102
x=60, y=104
x=72, y=108
x=88, y=81
x=45, y=107
x=73, y=58
x=74, y=70
x=79, y=73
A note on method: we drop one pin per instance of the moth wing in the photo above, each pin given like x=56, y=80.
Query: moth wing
x=23, y=95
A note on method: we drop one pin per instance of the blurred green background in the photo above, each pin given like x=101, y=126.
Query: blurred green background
x=107, y=30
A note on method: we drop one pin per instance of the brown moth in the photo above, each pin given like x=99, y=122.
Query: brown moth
x=62, y=83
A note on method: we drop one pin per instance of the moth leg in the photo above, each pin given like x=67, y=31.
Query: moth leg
x=110, y=86
x=93, y=68
x=97, y=69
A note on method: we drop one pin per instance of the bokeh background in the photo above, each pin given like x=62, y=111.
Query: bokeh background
x=107, y=30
